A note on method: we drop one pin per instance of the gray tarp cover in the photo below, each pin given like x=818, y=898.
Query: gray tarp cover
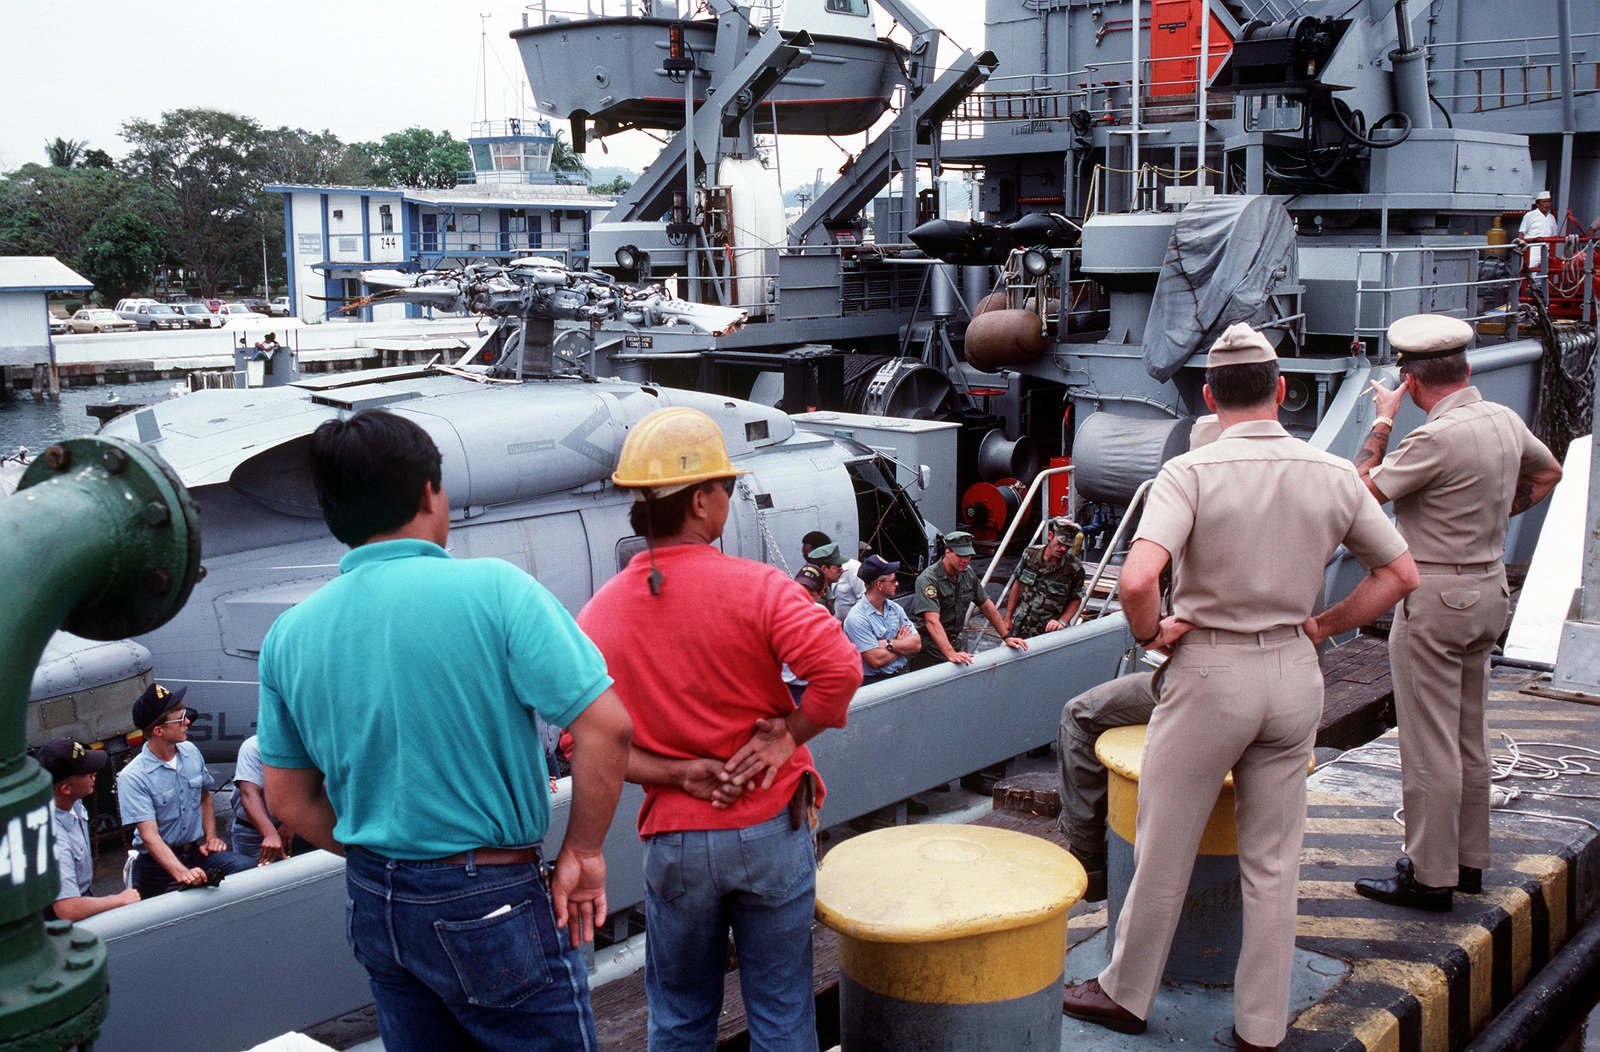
x=1226, y=254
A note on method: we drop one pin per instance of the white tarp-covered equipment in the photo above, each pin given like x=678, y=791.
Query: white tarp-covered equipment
x=1226, y=256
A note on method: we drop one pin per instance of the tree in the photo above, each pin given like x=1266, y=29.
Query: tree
x=46, y=211
x=615, y=188
x=566, y=160
x=418, y=158
x=97, y=159
x=120, y=252
x=63, y=153
x=294, y=155
x=203, y=169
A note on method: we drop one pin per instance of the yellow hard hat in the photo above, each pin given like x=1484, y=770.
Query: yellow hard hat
x=672, y=449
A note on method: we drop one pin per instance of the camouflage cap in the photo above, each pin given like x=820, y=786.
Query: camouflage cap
x=1063, y=526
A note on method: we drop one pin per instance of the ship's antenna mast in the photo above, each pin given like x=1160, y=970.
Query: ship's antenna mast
x=483, y=59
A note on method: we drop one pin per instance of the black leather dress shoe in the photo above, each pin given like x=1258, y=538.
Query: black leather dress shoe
x=1402, y=889
x=1244, y=1046
x=1088, y=1002
x=1469, y=879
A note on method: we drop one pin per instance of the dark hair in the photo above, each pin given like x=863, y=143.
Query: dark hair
x=1437, y=372
x=665, y=516
x=1242, y=386
x=369, y=470
x=813, y=540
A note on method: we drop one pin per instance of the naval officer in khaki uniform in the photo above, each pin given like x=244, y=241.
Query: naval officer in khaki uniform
x=1455, y=481
x=1248, y=523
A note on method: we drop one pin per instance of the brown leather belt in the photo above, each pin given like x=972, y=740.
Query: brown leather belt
x=1423, y=567
x=1217, y=635
x=494, y=856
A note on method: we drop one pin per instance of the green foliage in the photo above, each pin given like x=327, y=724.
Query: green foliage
x=203, y=169
x=563, y=158
x=418, y=158
x=97, y=159
x=615, y=188
x=46, y=211
x=64, y=153
x=120, y=252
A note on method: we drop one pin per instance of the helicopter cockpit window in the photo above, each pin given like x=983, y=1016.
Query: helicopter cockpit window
x=847, y=7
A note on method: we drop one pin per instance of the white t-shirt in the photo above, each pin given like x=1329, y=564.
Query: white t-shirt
x=848, y=589
x=1536, y=224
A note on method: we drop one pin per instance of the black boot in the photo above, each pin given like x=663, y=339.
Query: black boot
x=1402, y=889
x=1094, y=867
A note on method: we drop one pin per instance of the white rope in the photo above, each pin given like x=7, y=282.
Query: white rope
x=1518, y=762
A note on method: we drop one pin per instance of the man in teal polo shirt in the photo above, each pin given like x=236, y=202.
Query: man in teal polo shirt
x=398, y=727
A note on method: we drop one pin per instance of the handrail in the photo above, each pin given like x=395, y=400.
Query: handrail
x=1138, y=495
x=1012, y=529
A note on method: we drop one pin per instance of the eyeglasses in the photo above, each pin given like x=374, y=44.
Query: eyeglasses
x=727, y=486
x=185, y=718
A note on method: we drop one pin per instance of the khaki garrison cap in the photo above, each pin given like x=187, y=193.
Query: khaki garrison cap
x=1240, y=345
x=1423, y=336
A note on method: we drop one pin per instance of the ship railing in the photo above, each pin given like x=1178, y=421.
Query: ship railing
x=1519, y=71
x=761, y=13
x=430, y=247
x=1398, y=281
x=833, y=280
x=510, y=127
x=1142, y=190
x=1128, y=517
x=1033, y=103
x=1070, y=310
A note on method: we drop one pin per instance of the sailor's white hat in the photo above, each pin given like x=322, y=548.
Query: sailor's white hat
x=1421, y=336
x=1542, y=195
x=1240, y=344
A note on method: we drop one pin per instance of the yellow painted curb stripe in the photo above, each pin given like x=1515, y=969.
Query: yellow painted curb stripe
x=976, y=969
x=1376, y=1028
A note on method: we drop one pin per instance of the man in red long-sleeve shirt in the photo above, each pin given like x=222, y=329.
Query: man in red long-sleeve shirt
x=695, y=641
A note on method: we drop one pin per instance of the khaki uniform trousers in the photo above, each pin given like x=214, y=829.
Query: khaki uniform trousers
x=1439, y=655
x=1119, y=702
x=1252, y=707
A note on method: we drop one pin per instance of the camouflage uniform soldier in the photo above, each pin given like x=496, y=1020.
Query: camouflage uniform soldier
x=1049, y=583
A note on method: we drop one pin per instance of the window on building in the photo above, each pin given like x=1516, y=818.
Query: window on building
x=467, y=222
x=385, y=220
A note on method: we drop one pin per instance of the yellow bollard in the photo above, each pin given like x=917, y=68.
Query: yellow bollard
x=1206, y=945
x=951, y=938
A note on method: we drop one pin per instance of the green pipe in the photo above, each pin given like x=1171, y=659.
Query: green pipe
x=101, y=539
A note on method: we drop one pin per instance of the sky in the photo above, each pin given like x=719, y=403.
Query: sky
x=79, y=69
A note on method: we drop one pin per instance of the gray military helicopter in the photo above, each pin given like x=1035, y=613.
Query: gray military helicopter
x=529, y=441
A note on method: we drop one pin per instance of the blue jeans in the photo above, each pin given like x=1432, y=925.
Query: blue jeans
x=759, y=882
x=152, y=880
x=465, y=957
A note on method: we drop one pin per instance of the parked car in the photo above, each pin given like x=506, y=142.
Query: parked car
x=260, y=306
x=58, y=325
x=199, y=316
x=153, y=316
x=238, y=312
x=99, y=319
x=212, y=305
x=279, y=306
